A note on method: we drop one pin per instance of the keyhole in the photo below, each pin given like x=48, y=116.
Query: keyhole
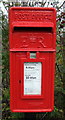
x=19, y=81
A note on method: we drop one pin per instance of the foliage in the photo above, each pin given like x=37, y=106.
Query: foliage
x=59, y=112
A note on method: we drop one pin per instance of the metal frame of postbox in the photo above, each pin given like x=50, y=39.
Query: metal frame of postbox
x=20, y=17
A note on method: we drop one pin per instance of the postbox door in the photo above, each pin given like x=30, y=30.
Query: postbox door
x=42, y=96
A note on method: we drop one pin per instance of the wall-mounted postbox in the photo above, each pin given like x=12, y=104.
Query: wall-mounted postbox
x=32, y=59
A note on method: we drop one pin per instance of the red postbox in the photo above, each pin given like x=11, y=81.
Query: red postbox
x=32, y=59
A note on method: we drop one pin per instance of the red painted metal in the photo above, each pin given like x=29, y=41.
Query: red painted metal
x=32, y=30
